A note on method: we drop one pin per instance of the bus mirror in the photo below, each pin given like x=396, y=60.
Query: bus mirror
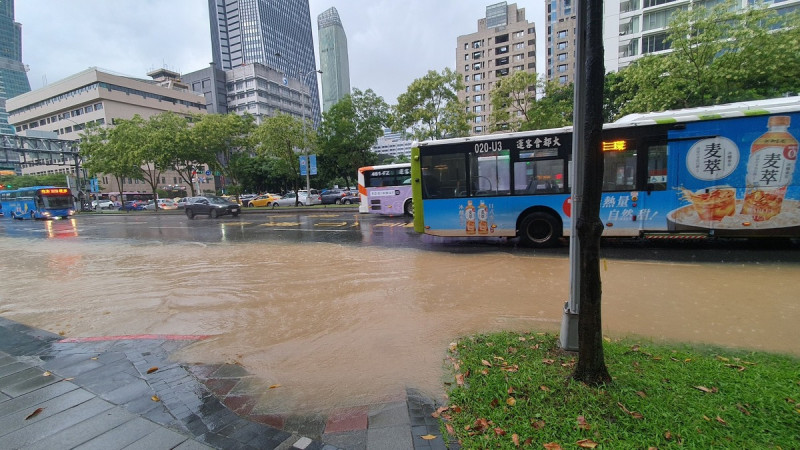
x=416, y=180
x=416, y=157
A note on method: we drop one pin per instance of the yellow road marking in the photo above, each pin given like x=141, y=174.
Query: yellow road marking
x=330, y=224
x=281, y=224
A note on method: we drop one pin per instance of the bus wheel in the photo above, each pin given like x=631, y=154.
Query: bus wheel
x=408, y=208
x=539, y=229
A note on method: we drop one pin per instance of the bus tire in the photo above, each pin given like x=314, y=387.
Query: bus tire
x=539, y=229
x=408, y=208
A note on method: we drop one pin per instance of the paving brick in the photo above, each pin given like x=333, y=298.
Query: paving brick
x=30, y=384
x=32, y=399
x=353, y=440
x=347, y=419
x=389, y=438
x=11, y=369
x=55, y=423
x=160, y=438
x=17, y=420
x=192, y=445
x=85, y=430
x=121, y=436
x=390, y=414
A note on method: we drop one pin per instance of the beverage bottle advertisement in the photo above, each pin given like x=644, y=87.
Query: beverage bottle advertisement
x=739, y=176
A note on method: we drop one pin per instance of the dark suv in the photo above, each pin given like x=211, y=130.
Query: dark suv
x=211, y=205
x=334, y=196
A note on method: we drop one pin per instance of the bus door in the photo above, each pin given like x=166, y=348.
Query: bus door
x=656, y=200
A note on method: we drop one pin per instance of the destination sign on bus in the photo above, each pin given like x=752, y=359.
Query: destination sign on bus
x=539, y=142
x=55, y=191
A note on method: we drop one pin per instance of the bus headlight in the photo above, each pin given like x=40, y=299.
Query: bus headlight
x=71, y=212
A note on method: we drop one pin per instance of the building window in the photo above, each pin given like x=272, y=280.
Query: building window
x=477, y=55
x=562, y=57
x=466, y=77
x=478, y=129
x=477, y=66
x=518, y=57
x=562, y=79
x=477, y=44
x=478, y=98
x=466, y=57
x=477, y=77
x=561, y=45
x=654, y=43
x=477, y=108
x=501, y=61
x=561, y=34
x=518, y=34
x=562, y=68
x=478, y=119
x=519, y=45
x=466, y=68
x=478, y=87
x=98, y=106
x=519, y=68
x=501, y=50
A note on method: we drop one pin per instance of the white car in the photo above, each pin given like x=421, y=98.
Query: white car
x=102, y=204
x=163, y=203
x=303, y=200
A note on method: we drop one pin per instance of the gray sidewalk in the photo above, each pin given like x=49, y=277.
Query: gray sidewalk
x=99, y=395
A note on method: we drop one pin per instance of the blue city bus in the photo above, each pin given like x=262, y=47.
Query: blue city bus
x=725, y=170
x=37, y=202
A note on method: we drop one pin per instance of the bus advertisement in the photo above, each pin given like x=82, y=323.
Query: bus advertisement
x=385, y=189
x=37, y=202
x=724, y=171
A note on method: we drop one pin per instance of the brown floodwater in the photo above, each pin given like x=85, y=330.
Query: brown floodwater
x=343, y=325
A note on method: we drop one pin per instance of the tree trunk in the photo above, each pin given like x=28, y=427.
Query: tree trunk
x=591, y=367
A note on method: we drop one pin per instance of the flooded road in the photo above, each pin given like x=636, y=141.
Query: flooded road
x=340, y=324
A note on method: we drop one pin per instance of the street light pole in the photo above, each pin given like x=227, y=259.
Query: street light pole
x=305, y=149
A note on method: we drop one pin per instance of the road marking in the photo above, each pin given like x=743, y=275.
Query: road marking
x=394, y=224
x=331, y=224
x=328, y=216
x=281, y=224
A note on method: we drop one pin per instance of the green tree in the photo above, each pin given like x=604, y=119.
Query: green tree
x=282, y=137
x=348, y=131
x=102, y=155
x=718, y=55
x=217, y=138
x=146, y=145
x=430, y=108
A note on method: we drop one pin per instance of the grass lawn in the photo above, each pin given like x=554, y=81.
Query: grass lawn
x=513, y=390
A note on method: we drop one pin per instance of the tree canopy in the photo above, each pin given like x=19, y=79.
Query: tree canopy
x=430, y=108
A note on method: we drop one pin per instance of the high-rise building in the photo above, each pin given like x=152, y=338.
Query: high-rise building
x=276, y=34
x=504, y=43
x=13, y=79
x=635, y=28
x=333, y=58
x=561, y=23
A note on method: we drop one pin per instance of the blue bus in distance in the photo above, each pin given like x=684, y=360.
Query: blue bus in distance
x=37, y=202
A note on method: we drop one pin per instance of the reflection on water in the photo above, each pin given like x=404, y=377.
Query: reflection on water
x=339, y=325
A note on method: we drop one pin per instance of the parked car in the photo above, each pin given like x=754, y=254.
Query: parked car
x=351, y=198
x=163, y=203
x=263, y=200
x=180, y=203
x=245, y=198
x=133, y=205
x=333, y=196
x=303, y=199
x=212, y=206
x=102, y=204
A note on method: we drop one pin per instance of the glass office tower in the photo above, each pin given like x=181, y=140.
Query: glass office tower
x=333, y=58
x=275, y=33
x=13, y=79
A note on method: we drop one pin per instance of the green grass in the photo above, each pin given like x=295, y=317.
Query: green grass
x=661, y=396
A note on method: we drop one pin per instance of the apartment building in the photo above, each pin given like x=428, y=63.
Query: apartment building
x=561, y=20
x=504, y=43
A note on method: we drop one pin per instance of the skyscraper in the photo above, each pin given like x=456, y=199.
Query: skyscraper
x=333, y=58
x=274, y=33
x=13, y=79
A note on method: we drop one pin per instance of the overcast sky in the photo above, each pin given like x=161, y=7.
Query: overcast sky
x=390, y=42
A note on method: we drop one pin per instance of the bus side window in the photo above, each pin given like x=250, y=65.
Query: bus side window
x=620, y=170
x=657, y=168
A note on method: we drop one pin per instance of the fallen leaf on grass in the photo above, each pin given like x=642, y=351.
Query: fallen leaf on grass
x=722, y=358
x=634, y=414
x=439, y=411
x=537, y=424
x=450, y=429
x=668, y=436
x=155, y=398
x=706, y=418
x=515, y=439
x=151, y=370
x=552, y=446
x=460, y=379
x=428, y=437
x=742, y=409
x=734, y=366
x=547, y=361
x=511, y=401
x=641, y=394
x=485, y=371
x=719, y=419
x=587, y=443
x=544, y=388
x=34, y=413
x=713, y=390
x=582, y=423
x=499, y=431
x=486, y=363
